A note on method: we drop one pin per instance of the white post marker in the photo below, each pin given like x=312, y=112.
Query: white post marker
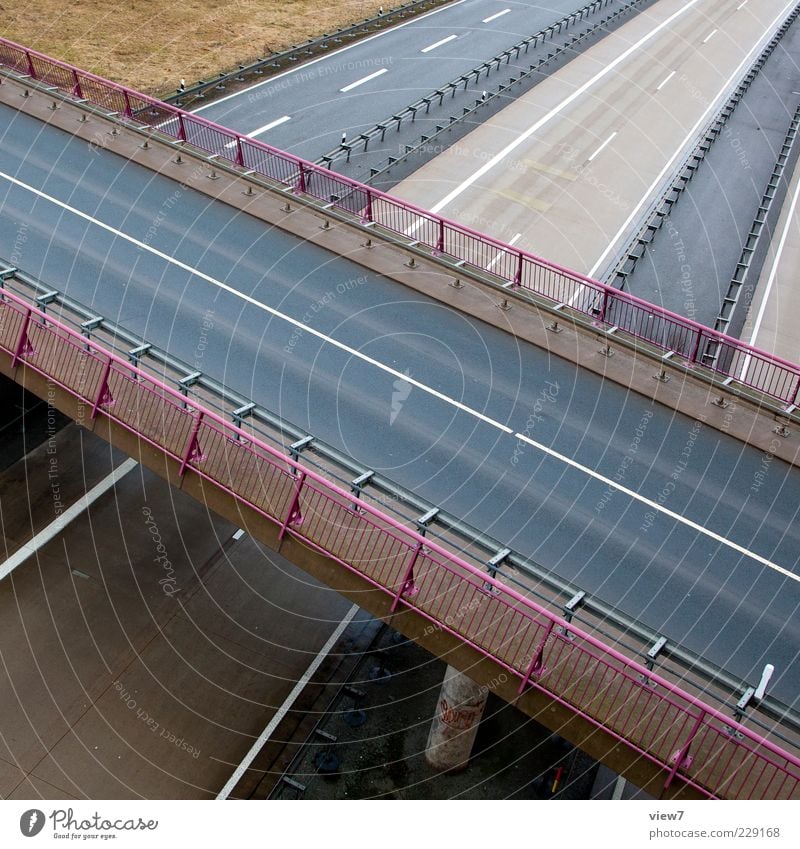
x=762, y=684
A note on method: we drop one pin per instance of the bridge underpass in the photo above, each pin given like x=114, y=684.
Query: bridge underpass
x=318, y=225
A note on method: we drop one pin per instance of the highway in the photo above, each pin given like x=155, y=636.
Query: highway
x=676, y=524
x=567, y=170
x=305, y=110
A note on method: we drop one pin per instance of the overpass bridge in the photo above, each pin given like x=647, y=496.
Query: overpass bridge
x=199, y=449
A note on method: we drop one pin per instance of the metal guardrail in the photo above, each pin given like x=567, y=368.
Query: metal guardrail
x=423, y=104
x=300, y=52
x=670, y=659
x=738, y=365
x=693, y=743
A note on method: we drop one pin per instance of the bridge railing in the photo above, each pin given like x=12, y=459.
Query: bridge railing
x=608, y=307
x=691, y=741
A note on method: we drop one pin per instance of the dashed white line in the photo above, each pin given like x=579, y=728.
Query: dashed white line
x=666, y=79
x=335, y=343
x=364, y=80
x=239, y=534
x=304, y=66
x=298, y=688
x=277, y=122
x=438, y=44
x=602, y=145
x=501, y=254
x=495, y=16
x=710, y=36
x=57, y=525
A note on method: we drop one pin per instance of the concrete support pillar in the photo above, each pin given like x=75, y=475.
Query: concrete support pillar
x=455, y=724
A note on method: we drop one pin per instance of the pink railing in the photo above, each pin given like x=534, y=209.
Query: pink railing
x=758, y=370
x=691, y=741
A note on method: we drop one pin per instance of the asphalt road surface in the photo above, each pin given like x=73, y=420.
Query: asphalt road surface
x=703, y=546
x=305, y=110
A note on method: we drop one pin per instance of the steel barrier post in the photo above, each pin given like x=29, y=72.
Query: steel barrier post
x=407, y=584
x=31, y=69
x=301, y=181
x=239, y=154
x=102, y=393
x=181, y=128
x=681, y=754
x=518, y=272
x=77, y=84
x=440, y=237
x=696, y=348
x=128, y=109
x=536, y=666
x=192, y=444
x=368, y=207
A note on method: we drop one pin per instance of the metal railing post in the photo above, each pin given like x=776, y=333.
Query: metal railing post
x=192, y=443
x=407, y=584
x=681, y=754
x=293, y=512
x=76, y=87
x=102, y=393
x=440, y=237
x=22, y=341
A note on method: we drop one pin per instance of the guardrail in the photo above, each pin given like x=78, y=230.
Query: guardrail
x=692, y=742
x=609, y=308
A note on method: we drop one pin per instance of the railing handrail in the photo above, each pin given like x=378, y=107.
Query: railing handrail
x=519, y=253
x=630, y=669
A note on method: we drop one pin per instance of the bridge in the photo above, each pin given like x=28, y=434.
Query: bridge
x=619, y=709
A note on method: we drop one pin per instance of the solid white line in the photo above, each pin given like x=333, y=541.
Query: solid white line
x=501, y=254
x=495, y=16
x=512, y=146
x=653, y=505
x=681, y=147
x=438, y=44
x=286, y=706
x=239, y=534
x=263, y=129
x=305, y=65
x=602, y=145
x=58, y=524
x=256, y=303
x=663, y=82
x=364, y=80
x=710, y=36
x=383, y=367
x=790, y=220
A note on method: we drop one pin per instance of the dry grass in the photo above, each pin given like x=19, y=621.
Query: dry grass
x=150, y=44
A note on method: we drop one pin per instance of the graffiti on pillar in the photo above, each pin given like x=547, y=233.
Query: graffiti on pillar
x=459, y=718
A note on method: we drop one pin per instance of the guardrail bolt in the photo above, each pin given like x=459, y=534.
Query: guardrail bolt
x=213, y=175
x=553, y=327
x=326, y=225
x=113, y=131
x=178, y=160
x=412, y=263
x=287, y=207
x=54, y=106
x=781, y=430
x=83, y=119
x=504, y=305
x=662, y=376
x=145, y=145
x=367, y=244
x=249, y=193
x=456, y=283
x=721, y=403
x=607, y=350
x=25, y=93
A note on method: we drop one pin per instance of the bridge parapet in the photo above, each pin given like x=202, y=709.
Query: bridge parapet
x=534, y=657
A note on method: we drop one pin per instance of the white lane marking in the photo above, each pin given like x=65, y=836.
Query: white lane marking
x=305, y=65
x=239, y=534
x=276, y=720
x=438, y=44
x=619, y=789
x=501, y=254
x=388, y=369
x=277, y=122
x=602, y=145
x=653, y=505
x=700, y=121
x=666, y=79
x=259, y=305
x=709, y=36
x=364, y=80
x=582, y=89
x=495, y=16
x=58, y=524
x=773, y=272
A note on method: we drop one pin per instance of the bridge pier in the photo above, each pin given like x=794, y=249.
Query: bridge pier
x=456, y=722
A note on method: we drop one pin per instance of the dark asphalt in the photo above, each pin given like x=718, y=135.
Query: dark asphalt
x=311, y=93
x=691, y=261
x=688, y=585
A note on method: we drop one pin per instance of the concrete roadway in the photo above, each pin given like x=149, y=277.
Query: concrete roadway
x=772, y=320
x=568, y=168
x=690, y=263
x=710, y=558
x=125, y=675
x=306, y=109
